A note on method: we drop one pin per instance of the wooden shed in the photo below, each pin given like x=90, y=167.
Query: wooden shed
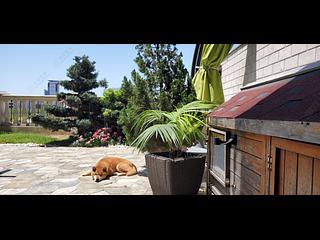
x=266, y=139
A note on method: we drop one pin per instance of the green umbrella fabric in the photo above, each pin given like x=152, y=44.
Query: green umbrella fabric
x=207, y=80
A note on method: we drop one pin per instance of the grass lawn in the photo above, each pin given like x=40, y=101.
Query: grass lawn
x=21, y=137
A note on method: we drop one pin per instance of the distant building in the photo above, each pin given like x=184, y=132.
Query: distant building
x=3, y=93
x=16, y=109
x=53, y=88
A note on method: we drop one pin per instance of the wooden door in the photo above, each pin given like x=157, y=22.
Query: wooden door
x=294, y=168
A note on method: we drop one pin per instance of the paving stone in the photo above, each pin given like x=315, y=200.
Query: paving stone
x=105, y=182
x=43, y=189
x=5, y=160
x=43, y=158
x=101, y=193
x=63, y=191
x=12, y=172
x=92, y=185
x=85, y=165
x=22, y=161
x=64, y=183
x=45, y=170
x=124, y=181
x=117, y=191
x=49, y=176
x=12, y=191
x=19, y=184
x=5, y=181
x=64, y=180
x=85, y=191
x=55, y=170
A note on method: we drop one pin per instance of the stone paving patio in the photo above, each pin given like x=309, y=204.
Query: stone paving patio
x=57, y=170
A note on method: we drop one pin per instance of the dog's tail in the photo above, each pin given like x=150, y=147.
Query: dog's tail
x=87, y=174
x=133, y=170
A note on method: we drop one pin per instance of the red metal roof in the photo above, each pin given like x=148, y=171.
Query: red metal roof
x=293, y=99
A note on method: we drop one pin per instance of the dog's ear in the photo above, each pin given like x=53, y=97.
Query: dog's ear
x=105, y=169
x=94, y=168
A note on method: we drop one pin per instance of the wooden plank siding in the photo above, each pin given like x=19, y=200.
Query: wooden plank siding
x=316, y=177
x=251, y=162
x=247, y=163
x=305, y=165
x=250, y=145
x=281, y=172
x=247, y=166
x=294, y=166
x=242, y=186
x=248, y=175
x=297, y=171
x=290, y=176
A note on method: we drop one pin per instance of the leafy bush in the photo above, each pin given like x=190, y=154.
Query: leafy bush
x=101, y=137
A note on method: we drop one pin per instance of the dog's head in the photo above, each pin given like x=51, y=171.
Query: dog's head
x=99, y=174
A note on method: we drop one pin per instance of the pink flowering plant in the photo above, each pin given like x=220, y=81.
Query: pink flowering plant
x=101, y=137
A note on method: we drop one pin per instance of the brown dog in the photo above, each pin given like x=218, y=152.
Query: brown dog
x=107, y=166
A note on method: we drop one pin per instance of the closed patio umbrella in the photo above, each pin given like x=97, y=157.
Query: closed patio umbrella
x=207, y=80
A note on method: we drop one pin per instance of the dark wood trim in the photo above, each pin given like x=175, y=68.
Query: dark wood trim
x=301, y=131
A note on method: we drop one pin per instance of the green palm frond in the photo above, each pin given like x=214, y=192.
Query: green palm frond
x=174, y=129
x=197, y=106
x=150, y=117
x=168, y=133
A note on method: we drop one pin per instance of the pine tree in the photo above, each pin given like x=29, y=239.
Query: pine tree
x=163, y=84
x=138, y=99
x=126, y=90
x=167, y=78
x=81, y=108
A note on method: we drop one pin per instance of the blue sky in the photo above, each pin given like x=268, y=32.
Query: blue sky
x=26, y=68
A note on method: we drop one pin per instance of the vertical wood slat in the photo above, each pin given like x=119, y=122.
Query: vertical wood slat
x=316, y=177
x=267, y=179
x=290, y=178
x=282, y=160
x=271, y=173
x=304, y=175
x=265, y=154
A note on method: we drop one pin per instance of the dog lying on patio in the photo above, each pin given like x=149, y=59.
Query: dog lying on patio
x=109, y=165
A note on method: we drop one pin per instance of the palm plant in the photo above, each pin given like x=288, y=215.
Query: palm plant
x=172, y=131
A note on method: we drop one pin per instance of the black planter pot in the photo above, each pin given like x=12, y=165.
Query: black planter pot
x=178, y=176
